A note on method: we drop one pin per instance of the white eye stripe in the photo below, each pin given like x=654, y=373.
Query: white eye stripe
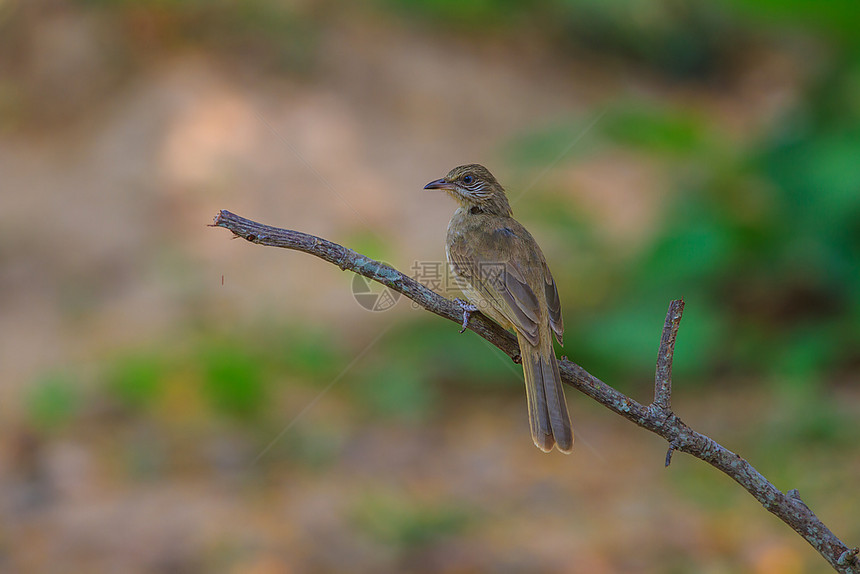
x=478, y=186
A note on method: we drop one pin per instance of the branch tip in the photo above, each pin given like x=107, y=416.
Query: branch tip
x=665, y=356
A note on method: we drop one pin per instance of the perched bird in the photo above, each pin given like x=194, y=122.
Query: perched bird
x=505, y=276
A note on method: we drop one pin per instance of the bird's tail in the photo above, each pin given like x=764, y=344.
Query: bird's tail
x=548, y=417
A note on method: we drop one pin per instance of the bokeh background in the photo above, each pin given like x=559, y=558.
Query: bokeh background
x=175, y=401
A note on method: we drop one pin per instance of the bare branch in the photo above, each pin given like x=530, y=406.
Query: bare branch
x=657, y=417
x=665, y=356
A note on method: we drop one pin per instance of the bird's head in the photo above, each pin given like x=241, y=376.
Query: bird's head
x=473, y=186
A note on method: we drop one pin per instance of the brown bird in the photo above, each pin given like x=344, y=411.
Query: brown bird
x=505, y=276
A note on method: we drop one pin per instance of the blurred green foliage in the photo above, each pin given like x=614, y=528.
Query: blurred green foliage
x=136, y=381
x=653, y=129
x=394, y=389
x=313, y=445
x=477, y=17
x=265, y=32
x=761, y=238
x=233, y=378
x=53, y=401
x=407, y=525
x=688, y=39
x=414, y=363
x=837, y=20
x=311, y=352
x=238, y=372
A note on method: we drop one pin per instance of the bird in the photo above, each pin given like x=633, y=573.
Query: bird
x=504, y=275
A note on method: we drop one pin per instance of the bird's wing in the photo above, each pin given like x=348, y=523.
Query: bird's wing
x=500, y=279
x=553, y=304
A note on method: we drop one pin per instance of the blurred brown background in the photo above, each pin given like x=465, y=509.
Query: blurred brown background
x=175, y=401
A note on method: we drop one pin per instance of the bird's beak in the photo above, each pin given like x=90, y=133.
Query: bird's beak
x=440, y=184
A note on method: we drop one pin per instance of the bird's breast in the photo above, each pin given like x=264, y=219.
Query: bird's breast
x=456, y=229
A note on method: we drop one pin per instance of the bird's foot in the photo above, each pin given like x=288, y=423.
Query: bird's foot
x=468, y=309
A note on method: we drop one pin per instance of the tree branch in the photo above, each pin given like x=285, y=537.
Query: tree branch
x=665, y=356
x=657, y=417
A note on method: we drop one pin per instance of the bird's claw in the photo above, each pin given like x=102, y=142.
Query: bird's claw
x=468, y=309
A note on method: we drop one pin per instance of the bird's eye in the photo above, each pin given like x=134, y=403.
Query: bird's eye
x=468, y=179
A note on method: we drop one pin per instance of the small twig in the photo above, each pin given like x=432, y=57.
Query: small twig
x=657, y=418
x=665, y=356
x=672, y=447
